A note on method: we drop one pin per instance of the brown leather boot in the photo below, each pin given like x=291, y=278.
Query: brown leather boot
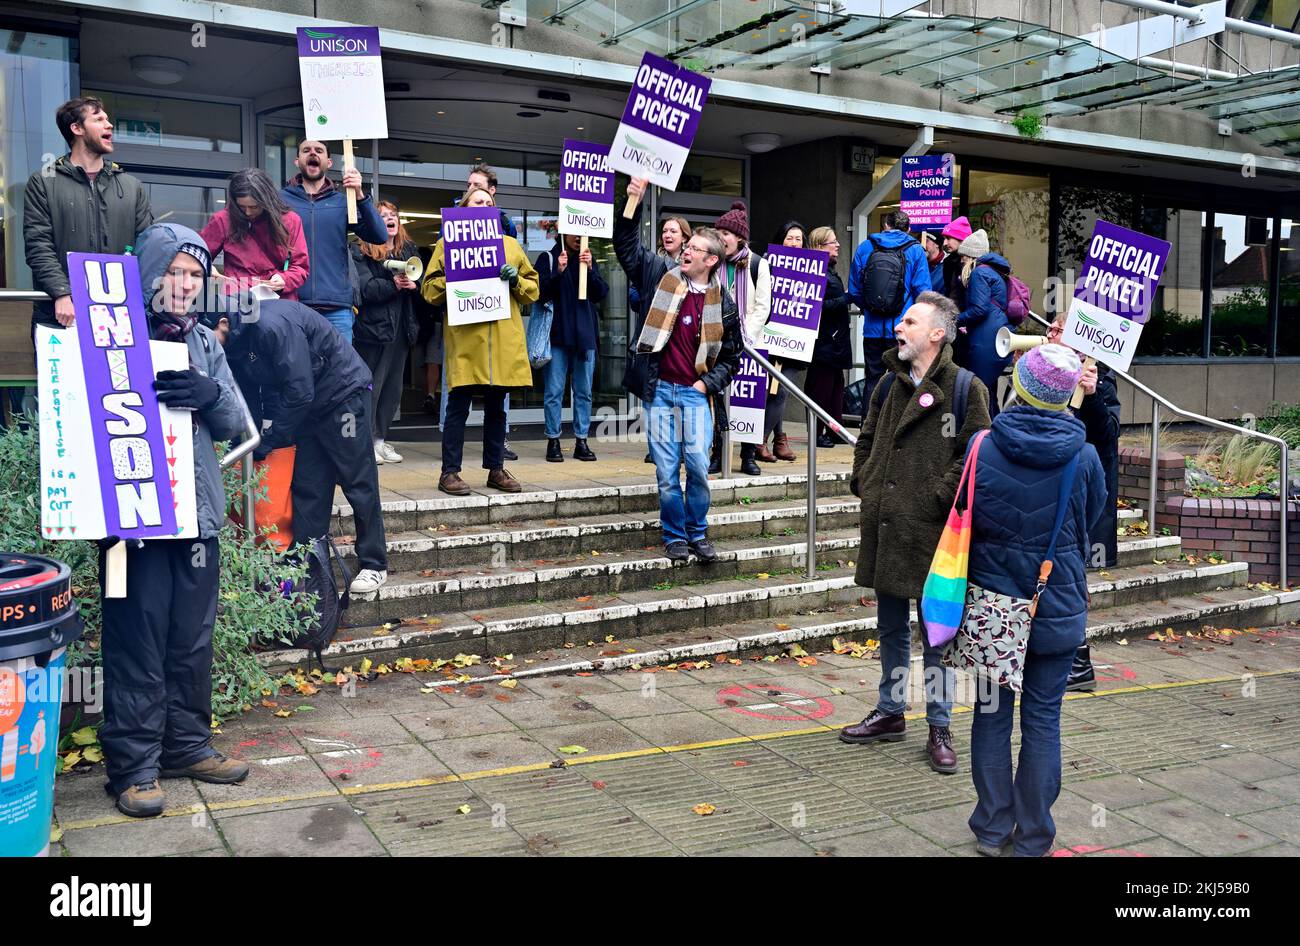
x=453, y=484
x=781, y=447
x=762, y=454
x=877, y=727
x=943, y=758
x=145, y=800
x=217, y=769
x=501, y=479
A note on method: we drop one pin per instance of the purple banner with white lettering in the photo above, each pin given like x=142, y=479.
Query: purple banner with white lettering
x=666, y=101
x=927, y=189
x=748, y=400
x=798, y=288
x=1121, y=271
x=338, y=41
x=113, y=331
x=472, y=242
x=585, y=173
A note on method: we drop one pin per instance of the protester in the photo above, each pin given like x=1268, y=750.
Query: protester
x=323, y=208
x=748, y=279
x=386, y=325
x=930, y=242
x=984, y=281
x=309, y=390
x=793, y=234
x=888, y=273
x=1100, y=414
x=575, y=339
x=833, y=350
x=81, y=204
x=482, y=176
x=157, y=641
x=689, y=349
x=484, y=359
x=673, y=234
x=906, y=467
x=1017, y=485
x=261, y=237
x=951, y=237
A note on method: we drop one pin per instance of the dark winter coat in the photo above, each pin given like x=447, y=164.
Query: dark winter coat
x=1100, y=413
x=1017, y=481
x=64, y=213
x=386, y=311
x=905, y=470
x=916, y=279
x=833, y=348
x=292, y=365
x=984, y=312
x=325, y=225
x=575, y=323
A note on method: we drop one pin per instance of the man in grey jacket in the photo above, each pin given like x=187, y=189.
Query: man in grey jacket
x=79, y=204
x=157, y=641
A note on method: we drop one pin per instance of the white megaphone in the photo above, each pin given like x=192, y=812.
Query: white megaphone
x=1007, y=342
x=412, y=267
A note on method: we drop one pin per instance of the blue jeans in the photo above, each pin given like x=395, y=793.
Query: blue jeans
x=342, y=320
x=583, y=364
x=895, y=663
x=681, y=431
x=1019, y=810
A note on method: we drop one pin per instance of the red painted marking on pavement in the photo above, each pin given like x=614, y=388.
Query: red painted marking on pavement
x=1080, y=849
x=1126, y=674
x=771, y=696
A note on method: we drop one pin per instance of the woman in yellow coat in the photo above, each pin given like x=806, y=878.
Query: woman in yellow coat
x=484, y=359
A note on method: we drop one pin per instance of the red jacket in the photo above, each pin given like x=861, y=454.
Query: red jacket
x=256, y=256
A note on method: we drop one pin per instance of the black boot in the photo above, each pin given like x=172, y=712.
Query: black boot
x=581, y=451
x=553, y=452
x=748, y=465
x=1081, y=675
x=715, y=457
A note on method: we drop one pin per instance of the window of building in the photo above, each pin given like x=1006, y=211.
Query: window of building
x=1176, y=327
x=1014, y=209
x=172, y=123
x=1288, y=308
x=1239, y=254
x=719, y=177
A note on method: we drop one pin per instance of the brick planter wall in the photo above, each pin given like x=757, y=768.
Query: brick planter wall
x=1135, y=482
x=1242, y=530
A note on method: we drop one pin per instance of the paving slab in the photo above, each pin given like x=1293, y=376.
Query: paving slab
x=332, y=828
x=180, y=834
x=1202, y=829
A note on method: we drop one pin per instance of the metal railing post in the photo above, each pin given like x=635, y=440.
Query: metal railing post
x=1155, y=466
x=1284, y=492
x=812, y=494
x=725, y=446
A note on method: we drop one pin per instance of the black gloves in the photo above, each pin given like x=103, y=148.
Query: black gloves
x=187, y=390
x=261, y=452
x=510, y=274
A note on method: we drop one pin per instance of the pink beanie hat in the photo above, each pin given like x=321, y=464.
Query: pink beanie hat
x=959, y=229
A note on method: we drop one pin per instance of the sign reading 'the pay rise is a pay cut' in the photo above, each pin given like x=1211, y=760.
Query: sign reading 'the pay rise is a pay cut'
x=1113, y=297
x=659, y=121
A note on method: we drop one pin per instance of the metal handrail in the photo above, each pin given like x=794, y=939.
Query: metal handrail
x=243, y=451
x=1284, y=466
x=814, y=412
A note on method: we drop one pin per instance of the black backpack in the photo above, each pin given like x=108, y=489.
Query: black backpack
x=884, y=283
x=330, y=604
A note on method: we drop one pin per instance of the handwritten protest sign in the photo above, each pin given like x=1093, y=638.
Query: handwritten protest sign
x=659, y=122
x=926, y=187
x=474, y=254
x=798, y=288
x=1114, y=293
x=748, y=401
x=113, y=460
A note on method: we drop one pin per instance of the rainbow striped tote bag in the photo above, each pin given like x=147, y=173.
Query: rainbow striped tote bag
x=944, y=598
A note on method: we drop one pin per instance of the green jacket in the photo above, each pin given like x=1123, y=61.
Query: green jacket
x=905, y=470
x=65, y=214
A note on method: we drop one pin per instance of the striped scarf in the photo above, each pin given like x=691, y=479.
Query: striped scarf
x=740, y=281
x=662, y=316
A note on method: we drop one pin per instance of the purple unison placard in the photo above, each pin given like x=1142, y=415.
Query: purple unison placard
x=660, y=119
x=798, y=288
x=586, y=190
x=926, y=189
x=338, y=41
x=747, y=404
x=1121, y=271
x=126, y=429
x=474, y=252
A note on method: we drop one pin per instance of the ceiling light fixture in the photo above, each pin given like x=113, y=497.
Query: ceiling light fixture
x=760, y=142
x=160, y=70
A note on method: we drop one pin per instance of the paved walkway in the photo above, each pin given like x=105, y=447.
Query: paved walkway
x=1188, y=748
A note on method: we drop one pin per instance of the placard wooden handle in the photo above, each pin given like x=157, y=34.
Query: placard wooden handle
x=348, y=165
x=630, y=207
x=582, y=273
x=1077, y=400
x=115, y=571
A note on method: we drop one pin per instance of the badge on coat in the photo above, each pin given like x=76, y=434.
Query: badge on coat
x=926, y=399
x=687, y=319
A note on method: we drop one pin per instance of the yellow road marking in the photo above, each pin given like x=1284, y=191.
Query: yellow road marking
x=354, y=790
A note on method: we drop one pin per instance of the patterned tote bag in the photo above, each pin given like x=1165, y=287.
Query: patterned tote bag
x=944, y=596
x=994, y=636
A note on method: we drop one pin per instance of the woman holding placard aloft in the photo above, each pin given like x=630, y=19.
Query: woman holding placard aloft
x=484, y=359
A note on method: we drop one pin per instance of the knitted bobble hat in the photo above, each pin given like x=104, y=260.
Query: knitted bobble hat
x=1046, y=376
x=735, y=220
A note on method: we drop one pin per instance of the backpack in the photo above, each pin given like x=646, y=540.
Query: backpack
x=960, y=394
x=1019, y=298
x=330, y=604
x=884, y=282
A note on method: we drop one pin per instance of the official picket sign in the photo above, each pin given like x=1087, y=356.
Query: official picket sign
x=798, y=289
x=586, y=190
x=475, y=252
x=342, y=82
x=113, y=460
x=1114, y=294
x=659, y=122
x=926, y=189
x=748, y=400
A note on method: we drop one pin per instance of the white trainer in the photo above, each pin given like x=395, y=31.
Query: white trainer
x=379, y=454
x=367, y=581
x=391, y=455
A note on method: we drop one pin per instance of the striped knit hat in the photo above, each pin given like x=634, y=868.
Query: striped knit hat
x=1046, y=376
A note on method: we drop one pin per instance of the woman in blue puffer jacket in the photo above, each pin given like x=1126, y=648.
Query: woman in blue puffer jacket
x=984, y=311
x=1017, y=484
